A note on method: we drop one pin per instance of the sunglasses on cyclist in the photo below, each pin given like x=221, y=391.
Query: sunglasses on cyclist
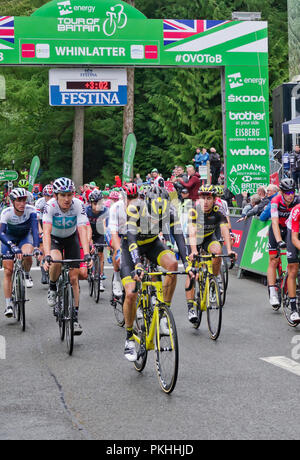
x=291, y=192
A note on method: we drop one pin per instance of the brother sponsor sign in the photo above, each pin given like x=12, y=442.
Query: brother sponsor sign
x=88, y=87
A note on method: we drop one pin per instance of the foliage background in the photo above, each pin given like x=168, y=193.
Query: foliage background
x=176, y=110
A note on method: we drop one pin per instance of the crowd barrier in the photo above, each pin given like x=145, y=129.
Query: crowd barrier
x=252, y=237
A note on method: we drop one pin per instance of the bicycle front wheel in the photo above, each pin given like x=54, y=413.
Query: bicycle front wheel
x=214, y=308
x=69, y=313
x=285, y=301
x=166, y=351
x=20, y=281
x=97, y=280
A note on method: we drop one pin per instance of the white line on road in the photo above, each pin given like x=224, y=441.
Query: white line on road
x=284, y=363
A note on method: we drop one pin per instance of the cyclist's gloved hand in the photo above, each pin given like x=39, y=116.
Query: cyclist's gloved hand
x=36, y=252
x=281, y=244
x=138, y=272
x=15, y=249
x=88, y=259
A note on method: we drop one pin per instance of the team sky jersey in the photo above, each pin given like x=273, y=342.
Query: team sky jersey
x=205, y=223
x=281, y=210
x=142, y=229
x=64, y=224
x=40, y=206
x=17, y=227
x=117, y=218
x=97, y=220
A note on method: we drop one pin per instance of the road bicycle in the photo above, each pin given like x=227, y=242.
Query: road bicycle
x=148, y=333
x=64, y=310
x=207, y=293
x=281, y=284
x=94, y=274
x=19, y=291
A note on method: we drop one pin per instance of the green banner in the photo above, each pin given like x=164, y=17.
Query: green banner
x=256, y=255
x=33, y=172
x=8, y=175
x=130, y=148
x=247, y=128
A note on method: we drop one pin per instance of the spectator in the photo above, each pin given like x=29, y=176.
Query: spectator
x=193, y=183
x=197, y=159
x=118, y=182
x=138, y=179
x=204, y=157
x=179, y=173
x=266, y=197
x=295, y=165
x=254, y=201
x=286, y=163
x=215, y=165
x=272, y=191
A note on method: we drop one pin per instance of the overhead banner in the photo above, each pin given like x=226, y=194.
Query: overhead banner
x=110, y=32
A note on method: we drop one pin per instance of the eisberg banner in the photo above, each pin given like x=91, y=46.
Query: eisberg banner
x=113, y=33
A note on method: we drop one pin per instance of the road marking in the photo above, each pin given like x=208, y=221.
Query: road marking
x=284, y=363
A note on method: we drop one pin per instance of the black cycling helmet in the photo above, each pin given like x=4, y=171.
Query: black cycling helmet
x=287, y=185
x=158, y=202
x=95, y=196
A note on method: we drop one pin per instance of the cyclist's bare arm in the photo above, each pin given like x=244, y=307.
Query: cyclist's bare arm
x=227, y=239
x=295, y=240
x=276, y=229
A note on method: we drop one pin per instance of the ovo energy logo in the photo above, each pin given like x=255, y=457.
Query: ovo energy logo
x=65, y=8
x=235, y=80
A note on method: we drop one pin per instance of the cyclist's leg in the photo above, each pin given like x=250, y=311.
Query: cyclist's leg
x=159, y=253
x=74, y=275
x=272, y=268
x=212, y=246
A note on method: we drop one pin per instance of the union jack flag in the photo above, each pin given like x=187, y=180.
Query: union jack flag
x=7, y=30
x=177, y=30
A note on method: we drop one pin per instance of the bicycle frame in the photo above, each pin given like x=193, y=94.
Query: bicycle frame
x=154, y=324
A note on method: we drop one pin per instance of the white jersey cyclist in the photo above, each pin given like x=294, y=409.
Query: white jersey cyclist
x=40, y=205
x=64, y=224
x=18, y=226
x=117, y=218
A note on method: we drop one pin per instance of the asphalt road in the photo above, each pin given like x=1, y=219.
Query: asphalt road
x=224, y=389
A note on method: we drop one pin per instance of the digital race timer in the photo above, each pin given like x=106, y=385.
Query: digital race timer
x=89, y=85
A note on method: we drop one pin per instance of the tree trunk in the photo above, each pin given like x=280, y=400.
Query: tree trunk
x=78, y=143
x=128, y=114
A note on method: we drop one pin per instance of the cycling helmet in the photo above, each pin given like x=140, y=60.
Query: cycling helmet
x=185, y=191
x=63, y=185
x=23, y=183
x=95, y=196
x=158, y=202
x=114, y=195
x=17, y=193
x=219, y=190
x=207, y=190
x=287, y=185
x=131, y=190
x=48, y=190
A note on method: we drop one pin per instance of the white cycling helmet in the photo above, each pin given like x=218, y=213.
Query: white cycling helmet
x=63, y=185
x=18, y=193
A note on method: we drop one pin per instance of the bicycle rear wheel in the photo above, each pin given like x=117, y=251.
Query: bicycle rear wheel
x=214, y=308
x=90, y=281
x=69, y=313
x=166, y=352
